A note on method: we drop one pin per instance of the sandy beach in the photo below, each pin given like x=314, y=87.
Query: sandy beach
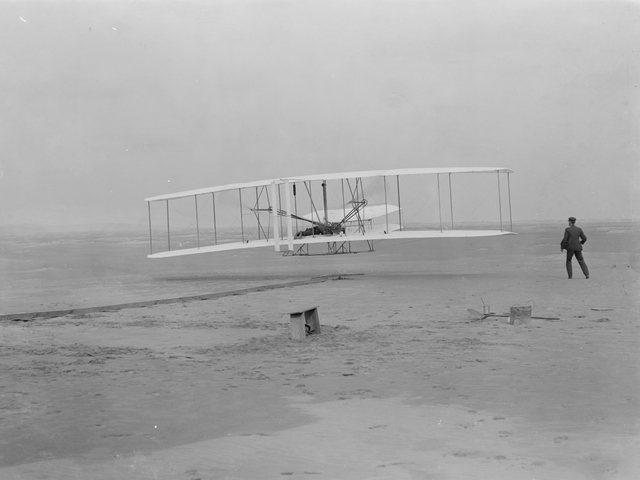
x=132, y=129
x=402, y=383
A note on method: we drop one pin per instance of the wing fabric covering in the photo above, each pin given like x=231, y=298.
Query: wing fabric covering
x=338, y=208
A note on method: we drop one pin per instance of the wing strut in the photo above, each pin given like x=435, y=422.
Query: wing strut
x=295, y=204
x=215, y=226
x=439, y=202
x=509, y=189
x=386, y=205
x=168, y=234
x=150, y=234
x=344, y=205
x=451, y=201
x=279, y=205
x=287, y=199
x=241, y=219
x=276, y=226
x=499, y=200
x=258, y=216
x=324, y=200
x=399, y=206
x=195, y=197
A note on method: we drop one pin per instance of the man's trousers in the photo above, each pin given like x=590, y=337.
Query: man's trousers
x=580, y=258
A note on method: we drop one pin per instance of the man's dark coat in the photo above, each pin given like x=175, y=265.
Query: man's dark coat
x=573, y=239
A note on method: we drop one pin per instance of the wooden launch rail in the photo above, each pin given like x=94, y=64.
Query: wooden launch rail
x=25, y=317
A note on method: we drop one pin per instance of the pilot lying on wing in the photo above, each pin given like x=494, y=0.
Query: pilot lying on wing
x=322, y=229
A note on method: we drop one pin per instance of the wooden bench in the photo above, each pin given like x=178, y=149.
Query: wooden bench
x=304, y=322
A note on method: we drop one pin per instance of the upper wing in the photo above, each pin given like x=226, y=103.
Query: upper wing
x=330, y=176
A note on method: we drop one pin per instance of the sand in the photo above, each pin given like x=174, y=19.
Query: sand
x=402, y=382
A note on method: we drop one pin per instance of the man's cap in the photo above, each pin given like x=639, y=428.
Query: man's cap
x=572, y=219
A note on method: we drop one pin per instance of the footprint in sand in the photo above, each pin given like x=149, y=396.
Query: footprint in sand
x=306, y=473
x=560, y=439
x=192, y=474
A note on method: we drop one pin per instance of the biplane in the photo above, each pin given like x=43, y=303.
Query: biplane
x=337, y=212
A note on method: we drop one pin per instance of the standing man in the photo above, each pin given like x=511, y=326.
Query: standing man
x=572, y=242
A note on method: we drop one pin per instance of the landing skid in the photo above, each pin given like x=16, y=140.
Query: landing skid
x=333, y=248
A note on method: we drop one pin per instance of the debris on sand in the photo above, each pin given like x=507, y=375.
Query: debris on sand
x=507, y=317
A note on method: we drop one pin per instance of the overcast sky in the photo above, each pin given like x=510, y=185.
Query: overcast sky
x=105, y=103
